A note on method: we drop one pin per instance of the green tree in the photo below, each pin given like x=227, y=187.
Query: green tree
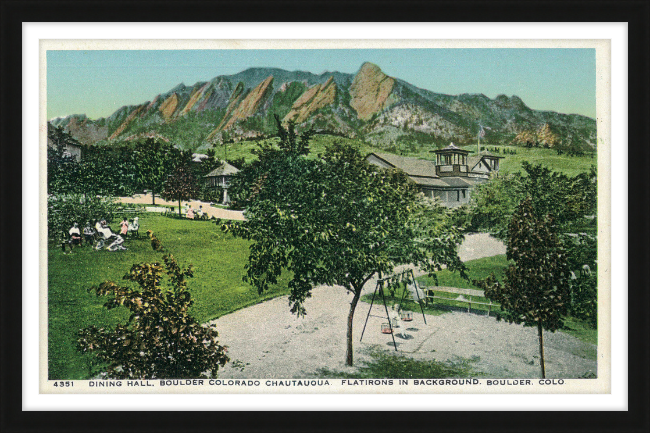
x=61, y=167
x=536, y=287
x=153, y=161
x=335, y=220
x=161, y=339
x=65, y=209
x=582, y=251
x=180, y=185
x=570, y=200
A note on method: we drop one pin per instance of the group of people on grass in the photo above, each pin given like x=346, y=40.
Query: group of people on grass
x=102, y=234
x=190, y=213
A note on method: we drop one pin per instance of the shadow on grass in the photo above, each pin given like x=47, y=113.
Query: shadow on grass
x=389, y=365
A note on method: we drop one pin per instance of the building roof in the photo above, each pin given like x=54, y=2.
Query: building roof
x=423, y=172
x=452, y=148
x=458, y=182
x=224, y=170
x=475, y=159
x=198, y=157
x=410, y=166
x=429, y=181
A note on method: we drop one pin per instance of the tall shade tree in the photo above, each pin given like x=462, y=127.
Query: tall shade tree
x=536, y=287
x=334, y=220
x=180, y=185
x=153, y=161
x=571, y=200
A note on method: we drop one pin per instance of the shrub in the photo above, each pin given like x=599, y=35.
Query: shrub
x=161, y=339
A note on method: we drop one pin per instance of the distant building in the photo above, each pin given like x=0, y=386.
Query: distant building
x=199, y=157
x=449, y=178
x=70, y=150
x=220, y=178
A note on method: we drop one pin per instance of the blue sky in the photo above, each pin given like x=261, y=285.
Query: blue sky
x=97, y=83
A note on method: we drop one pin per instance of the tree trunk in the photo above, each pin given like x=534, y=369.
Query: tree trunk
x=353, y=305
x=153, y=196
x=540, y=332
x=179, y=209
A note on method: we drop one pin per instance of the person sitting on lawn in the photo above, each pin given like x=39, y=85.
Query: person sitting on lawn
x=75, y=236
x=117, y=244
x=134, y=226
x=190, y=213
x=124, y=227
x=104, y=232
x=89, y=233
x=199, y=213
x=98, y=226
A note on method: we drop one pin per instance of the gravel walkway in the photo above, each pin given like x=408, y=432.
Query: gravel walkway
x=267, y=341
x=209, y=210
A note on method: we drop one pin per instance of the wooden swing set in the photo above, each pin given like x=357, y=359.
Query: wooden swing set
x=392, y=282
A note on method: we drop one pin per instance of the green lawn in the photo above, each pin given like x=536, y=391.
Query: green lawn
x=511, y=163
x=477, y=269
x=217, y=287
x=569, y=165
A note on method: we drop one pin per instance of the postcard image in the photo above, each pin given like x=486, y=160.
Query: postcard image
x=325, y=217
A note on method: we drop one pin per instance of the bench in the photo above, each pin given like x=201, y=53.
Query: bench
x=430, y=294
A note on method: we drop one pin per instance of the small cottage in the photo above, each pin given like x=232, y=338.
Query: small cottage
x=220, y=178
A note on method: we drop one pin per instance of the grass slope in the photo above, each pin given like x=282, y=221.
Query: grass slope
x=511, y=163
x=217, y=287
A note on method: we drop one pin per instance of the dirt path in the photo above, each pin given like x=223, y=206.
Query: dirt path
x=209, y=210
x=267, y=341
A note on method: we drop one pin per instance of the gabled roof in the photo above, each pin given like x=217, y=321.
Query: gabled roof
x=475, y=159
x=411, y=166
x=224, y=170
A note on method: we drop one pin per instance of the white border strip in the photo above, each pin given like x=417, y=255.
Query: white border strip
x=616, y=32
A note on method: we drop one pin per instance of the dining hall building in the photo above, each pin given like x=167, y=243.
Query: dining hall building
x=449, y=178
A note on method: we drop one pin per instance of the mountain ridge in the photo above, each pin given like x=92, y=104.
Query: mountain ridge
x=369, y=105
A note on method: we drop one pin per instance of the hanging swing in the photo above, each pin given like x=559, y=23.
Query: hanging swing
x=404, y=279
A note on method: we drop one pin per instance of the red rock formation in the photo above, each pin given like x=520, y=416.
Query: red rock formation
x=126, y=122
x=371, y=91
x=312, y=100
x=251, y=102
x=196, y=95
x=168, y=107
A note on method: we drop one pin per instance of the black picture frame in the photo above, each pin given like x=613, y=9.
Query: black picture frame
x=635, y=13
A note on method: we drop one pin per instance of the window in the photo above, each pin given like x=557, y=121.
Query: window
x=464, y=193
x=457, y=195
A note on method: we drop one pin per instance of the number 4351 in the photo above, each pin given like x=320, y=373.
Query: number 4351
x=65, y=384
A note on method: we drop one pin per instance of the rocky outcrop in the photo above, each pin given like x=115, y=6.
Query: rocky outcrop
x=168, y=107
x=127, y=121
x=370, y=91
x=196, y=95
x=249, y=105
x=314, y=98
